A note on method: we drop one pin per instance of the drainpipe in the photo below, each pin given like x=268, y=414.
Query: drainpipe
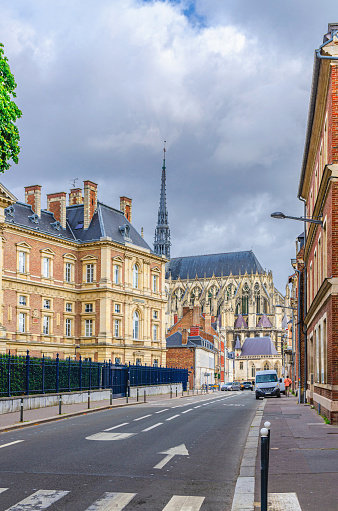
x=305, y=305
x=298, y=333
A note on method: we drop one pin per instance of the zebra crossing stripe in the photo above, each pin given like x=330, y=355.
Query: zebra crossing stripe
x=111, y=502
x=39, y=500
x=178, y=503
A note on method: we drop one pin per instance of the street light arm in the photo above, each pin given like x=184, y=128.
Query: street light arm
x=280, y=216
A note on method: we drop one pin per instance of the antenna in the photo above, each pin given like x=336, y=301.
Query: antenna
x=73, y=181
x=164, y=149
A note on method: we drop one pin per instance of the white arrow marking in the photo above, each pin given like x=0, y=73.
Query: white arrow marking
x=179, y=450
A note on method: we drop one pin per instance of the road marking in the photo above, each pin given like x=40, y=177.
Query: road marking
x=232, y=404
x=39, y=500
x=284, y=501
x=173, y=417
x=186, y=411
x=3, y=489
x=179, y=450
x=152, y=427
x=11, y=443
x=111, y=501
x=160, y=411
x=178, y=503
x=110, y=436
x=178, y=406
x=199, y=406
x=118, y=426
x=144, y=417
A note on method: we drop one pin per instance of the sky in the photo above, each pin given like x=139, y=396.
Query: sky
x=101, y=85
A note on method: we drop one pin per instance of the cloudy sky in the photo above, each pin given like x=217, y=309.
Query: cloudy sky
x=226, y=83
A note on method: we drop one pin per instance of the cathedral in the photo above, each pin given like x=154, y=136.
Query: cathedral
x=238, y=294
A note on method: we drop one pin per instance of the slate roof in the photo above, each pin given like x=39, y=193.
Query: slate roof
x=264, y=322
x=175, y=340
x=238, y=344
x=106, y=221
x=240, y=322
x=218, y=264
x=285, y=321
x=258, y=346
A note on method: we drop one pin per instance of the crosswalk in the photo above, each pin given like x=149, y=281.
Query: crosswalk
x=109, y=501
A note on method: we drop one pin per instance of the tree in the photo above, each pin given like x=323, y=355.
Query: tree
x=9, y=113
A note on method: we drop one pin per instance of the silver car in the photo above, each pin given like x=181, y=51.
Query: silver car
x=235, y=385
x=226, y=386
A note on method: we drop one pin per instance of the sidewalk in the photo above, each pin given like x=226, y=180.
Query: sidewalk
x=10, y=421
x=303, y=458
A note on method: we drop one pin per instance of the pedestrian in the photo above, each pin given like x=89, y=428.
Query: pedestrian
x=287, y=383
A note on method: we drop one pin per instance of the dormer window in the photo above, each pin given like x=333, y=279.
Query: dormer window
x=56, y=225
x=10, y=211
x=125, y=230
x=34, y=218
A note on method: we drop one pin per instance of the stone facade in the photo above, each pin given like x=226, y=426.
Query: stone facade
x=78, y=280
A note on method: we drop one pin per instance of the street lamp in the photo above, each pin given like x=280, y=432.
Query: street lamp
x=76, y=348
x=281, y=216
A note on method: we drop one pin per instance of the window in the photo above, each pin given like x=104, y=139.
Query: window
x=46, y=267
x=88, y=307
x=253, y=371
x=117, y=360
x=155, y=283
x=117, y=328
x=22, y=322
x=69, y=307
x=89, y=273
x=266, y=366
x=135, y=276
x=135, y=325
x=68, y=272
x=155, y=332
x=116, y=274
x=22, y=262
x=155, y=363
x=46, y=304
x=88, y=327
x=46, y=325
x=155, y=314
x=117, y=308
x=138, y=361
x=241, y=365
x=68, y=327
x=22, y=300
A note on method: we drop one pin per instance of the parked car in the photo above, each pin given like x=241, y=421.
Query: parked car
x=235, y=385
x=246, y=385
x=226, y=386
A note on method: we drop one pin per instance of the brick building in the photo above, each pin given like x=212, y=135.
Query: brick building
x=78, y=280
x=318, y=186
x=191, y=344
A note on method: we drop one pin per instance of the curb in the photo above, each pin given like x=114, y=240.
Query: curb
x=244, y=495
x=54, y=418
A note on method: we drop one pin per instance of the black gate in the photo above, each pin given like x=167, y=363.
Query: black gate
x=115, y=377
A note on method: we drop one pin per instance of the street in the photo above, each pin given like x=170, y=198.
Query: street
x=166, y=455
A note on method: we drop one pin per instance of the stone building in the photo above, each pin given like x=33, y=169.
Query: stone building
x=232, y=287
x=79, y=280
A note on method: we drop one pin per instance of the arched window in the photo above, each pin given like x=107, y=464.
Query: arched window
x=238, y=308
x=266, y=366
x=253, y=371
x=245, y=299
x=192, y=299
x=136, y=325
x=276, y=368
x=135, y=276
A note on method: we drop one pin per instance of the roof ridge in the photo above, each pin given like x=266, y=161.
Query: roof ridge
x=219, y=253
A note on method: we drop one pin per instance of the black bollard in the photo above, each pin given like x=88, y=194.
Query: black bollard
x=171, y=393
x=137, y=394
x=60, y=404
x=176, y=391
x=267, y=425
x=88, y=399
x=111, y=397
x=144, y=396
x=264, y=468
x=21, y=410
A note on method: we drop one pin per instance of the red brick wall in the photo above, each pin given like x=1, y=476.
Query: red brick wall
x=183, y=358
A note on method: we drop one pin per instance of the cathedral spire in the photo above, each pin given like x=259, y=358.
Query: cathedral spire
x=162, y=231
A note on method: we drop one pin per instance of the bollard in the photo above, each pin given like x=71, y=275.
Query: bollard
x=171, y=393
x=137, y=394
x=176, y=391
x=111, y=397
x=60, y=404
x=267, y=425
x=21, y=410
x=127, y=396
x=264, y=469
x=144, y=396
x=88, y=399
x=182, y=390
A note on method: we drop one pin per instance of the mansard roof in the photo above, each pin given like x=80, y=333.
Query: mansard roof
x=175, y=340
x=213, y=264
x=106, y=221
x=258, y=346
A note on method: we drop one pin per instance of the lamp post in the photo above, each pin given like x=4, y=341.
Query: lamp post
x=76, y=348
x=281, y=216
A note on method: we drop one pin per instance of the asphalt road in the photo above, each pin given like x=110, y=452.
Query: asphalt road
x=182, y=454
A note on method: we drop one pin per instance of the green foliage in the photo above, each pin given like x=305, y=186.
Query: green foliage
x=9, y=113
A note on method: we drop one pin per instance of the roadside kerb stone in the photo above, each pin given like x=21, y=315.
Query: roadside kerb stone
x=245, y=487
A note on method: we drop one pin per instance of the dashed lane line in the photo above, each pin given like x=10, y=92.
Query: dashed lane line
x=144, y=417
x=186, y=411
x=161, y=411
x=11, y=443
x=152, y=427
x=173, y=417
x=118, y=426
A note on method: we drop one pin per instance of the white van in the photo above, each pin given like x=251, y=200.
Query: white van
x=267, y=384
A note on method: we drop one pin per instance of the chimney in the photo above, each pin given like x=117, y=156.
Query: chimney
x=75, y=196
x=196, y=315
x=194, y=330
x=125, y=207
x=33, y=198
x=56, y=204
x=207, y=324
x=90, y=202
x=175, y=319
x=184, y=337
